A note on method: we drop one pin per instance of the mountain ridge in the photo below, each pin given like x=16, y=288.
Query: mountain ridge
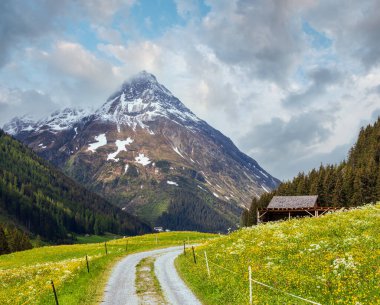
x=138, y=140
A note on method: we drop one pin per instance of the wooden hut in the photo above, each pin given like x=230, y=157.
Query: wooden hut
x=282, y=207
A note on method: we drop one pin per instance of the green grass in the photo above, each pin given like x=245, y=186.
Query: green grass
x=150, y=212
x=25, y=276
x=333, y=259
x=82, y=239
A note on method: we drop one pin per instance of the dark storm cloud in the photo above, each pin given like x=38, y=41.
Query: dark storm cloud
x=24, y=22
x=257, y=35
x=367, y=33
x=354, y=27
x=321, y=79
x=279, y=143
x=279, y=135
x=16, y=102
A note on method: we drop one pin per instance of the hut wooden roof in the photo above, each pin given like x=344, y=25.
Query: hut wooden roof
x=293, y=202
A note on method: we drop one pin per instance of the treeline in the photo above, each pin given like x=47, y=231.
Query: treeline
x=353, y=182
x=190, y=211
x=50, y=204
x=13, y=239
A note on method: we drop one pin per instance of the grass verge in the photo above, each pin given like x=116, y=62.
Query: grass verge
x=148, y=287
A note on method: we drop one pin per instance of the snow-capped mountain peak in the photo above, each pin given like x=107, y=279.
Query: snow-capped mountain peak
x=139, y=100
x=57, y=121
x=144, y=149
x=142, y=99
x=63, y=119
x=19, y=124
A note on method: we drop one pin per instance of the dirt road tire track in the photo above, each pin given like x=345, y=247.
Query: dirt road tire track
x=121, y=290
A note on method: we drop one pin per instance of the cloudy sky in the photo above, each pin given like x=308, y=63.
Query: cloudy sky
x=290, y=81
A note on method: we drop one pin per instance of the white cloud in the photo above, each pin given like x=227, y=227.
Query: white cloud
x=246, y=67
x=103, y=11
x=80, y=77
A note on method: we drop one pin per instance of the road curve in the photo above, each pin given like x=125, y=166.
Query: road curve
x=121, y=290
x=175, y=290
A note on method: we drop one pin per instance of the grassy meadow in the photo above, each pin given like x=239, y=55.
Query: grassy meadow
x=25, y=276
x=333, y=259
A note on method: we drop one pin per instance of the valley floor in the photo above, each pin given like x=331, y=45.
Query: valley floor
x=26, y=276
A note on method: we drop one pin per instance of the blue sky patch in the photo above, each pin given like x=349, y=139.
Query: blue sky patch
x=153, y=18
x=318, y=40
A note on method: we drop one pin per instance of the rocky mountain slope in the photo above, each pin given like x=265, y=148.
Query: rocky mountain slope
x=150, y=155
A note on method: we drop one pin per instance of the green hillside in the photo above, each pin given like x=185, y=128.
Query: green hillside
x=25, y=276
x=353, y=182
x=47, y=203
x=333, y=259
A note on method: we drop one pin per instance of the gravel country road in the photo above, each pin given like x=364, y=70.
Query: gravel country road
x=120, y=289
x=175, y=290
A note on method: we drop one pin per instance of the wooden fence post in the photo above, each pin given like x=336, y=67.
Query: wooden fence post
x=105, y=247
x=208, y=268
x=126, y=246
x=184, y=247
x=195, y=260
x=88, y=267
x=55, y=293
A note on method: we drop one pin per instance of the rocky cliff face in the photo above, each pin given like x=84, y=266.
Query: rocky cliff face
x=150, y=155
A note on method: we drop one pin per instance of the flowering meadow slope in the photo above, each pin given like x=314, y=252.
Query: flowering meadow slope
x=25, y=276
x=333, y=259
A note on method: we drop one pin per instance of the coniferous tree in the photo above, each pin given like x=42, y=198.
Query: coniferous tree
x=338, y=197
x=4, y=247
x=245, y=218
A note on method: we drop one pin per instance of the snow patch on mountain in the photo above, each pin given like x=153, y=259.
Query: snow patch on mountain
x=249, y=178
x=201, y=188
x=178, y=152
x=263, y=174
x=142, y=159
x=172, y=183
x=101, y=141
x=76, y=132
x=120, y=147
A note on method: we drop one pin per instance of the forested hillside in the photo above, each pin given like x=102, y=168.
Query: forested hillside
x=13, y=239
x=47, y=203
x=353, y=182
